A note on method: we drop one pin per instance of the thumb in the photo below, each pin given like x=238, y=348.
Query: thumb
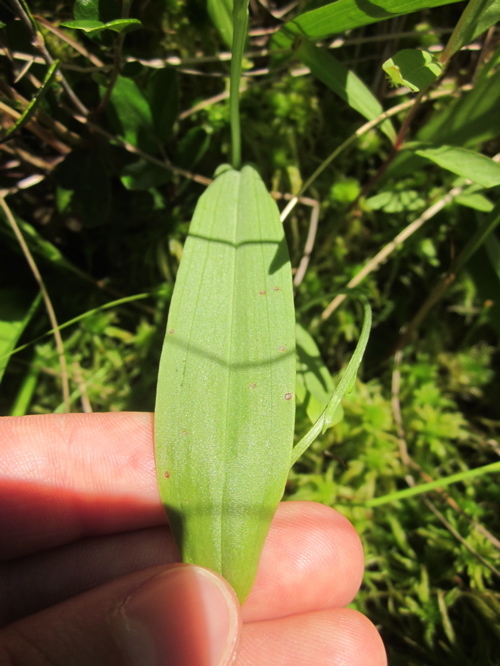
x=176, y=615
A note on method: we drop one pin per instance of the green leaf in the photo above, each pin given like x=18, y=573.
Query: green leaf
x=92, y=27
x=130, y=114
x=162, y=94
x=85, y=180
x=469, y=120
x=466, y=163
x=41, y=246
x=314, y=382
x=16, y=309
x=344, y=15
x=343, y=82
x=412, y=68
x=477, y=17
x=475, y=201
x=34, y=103
x=225, y=408
x=143, y=175
x=221, y=13
x=97, y=10
x=345, y=385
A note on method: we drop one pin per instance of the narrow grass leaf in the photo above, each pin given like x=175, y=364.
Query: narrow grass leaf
x=16, y=310
x=345, y=83
x=345, y=384
x=345, y=15
x=225, y=408
x=314, y=382
x=35, y=101
x=92, y=27
x=434, y=485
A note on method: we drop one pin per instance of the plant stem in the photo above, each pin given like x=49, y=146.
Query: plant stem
x=240, y=24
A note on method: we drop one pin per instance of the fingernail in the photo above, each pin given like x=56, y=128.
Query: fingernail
x=184, y=616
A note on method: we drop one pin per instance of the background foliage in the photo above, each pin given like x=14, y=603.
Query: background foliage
x=104, y=155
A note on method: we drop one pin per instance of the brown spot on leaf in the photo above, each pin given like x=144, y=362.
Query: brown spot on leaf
x=171, y=331
x=288, y=396
x=166, y=475
x=282, y=348
x=262, y=292
x=252, y=385
x=276, y=288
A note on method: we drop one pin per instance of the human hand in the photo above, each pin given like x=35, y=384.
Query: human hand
x=89, y=574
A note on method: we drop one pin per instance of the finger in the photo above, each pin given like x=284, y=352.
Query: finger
x=177, y=615
x=340, y=637
x=35, y=582
x=312, y=559
x=65, y=476
x=319, y=556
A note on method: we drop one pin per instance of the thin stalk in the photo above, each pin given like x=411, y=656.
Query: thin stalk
x=240, y=25
x=117, y=60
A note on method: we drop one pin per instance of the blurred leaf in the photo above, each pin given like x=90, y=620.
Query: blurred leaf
x=347, y=14
x=394, y=201
x=314, y=382
x=42, y=247
x=221, y=13
x=163, y=97
x=91, y=27
x=471, y=119
x=97, y=10
x=476, y=19
x=466, y=163
x=191, y=148
x=475, y=201
x=131, y=116
x=412, y=68
x=345, y=83
x=35, y=101
x=142, y=175
x=16, y=309
x=85, y=174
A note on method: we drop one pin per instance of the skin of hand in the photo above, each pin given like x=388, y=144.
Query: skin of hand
x=89, y=572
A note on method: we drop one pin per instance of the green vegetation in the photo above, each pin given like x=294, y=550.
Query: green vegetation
x=114, y=118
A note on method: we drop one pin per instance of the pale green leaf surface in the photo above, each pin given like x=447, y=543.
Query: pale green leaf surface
x=345, y=83
x=466, y=163
x=413, y=68
x=16, y=309
x=347, y=14
x=225, y=409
